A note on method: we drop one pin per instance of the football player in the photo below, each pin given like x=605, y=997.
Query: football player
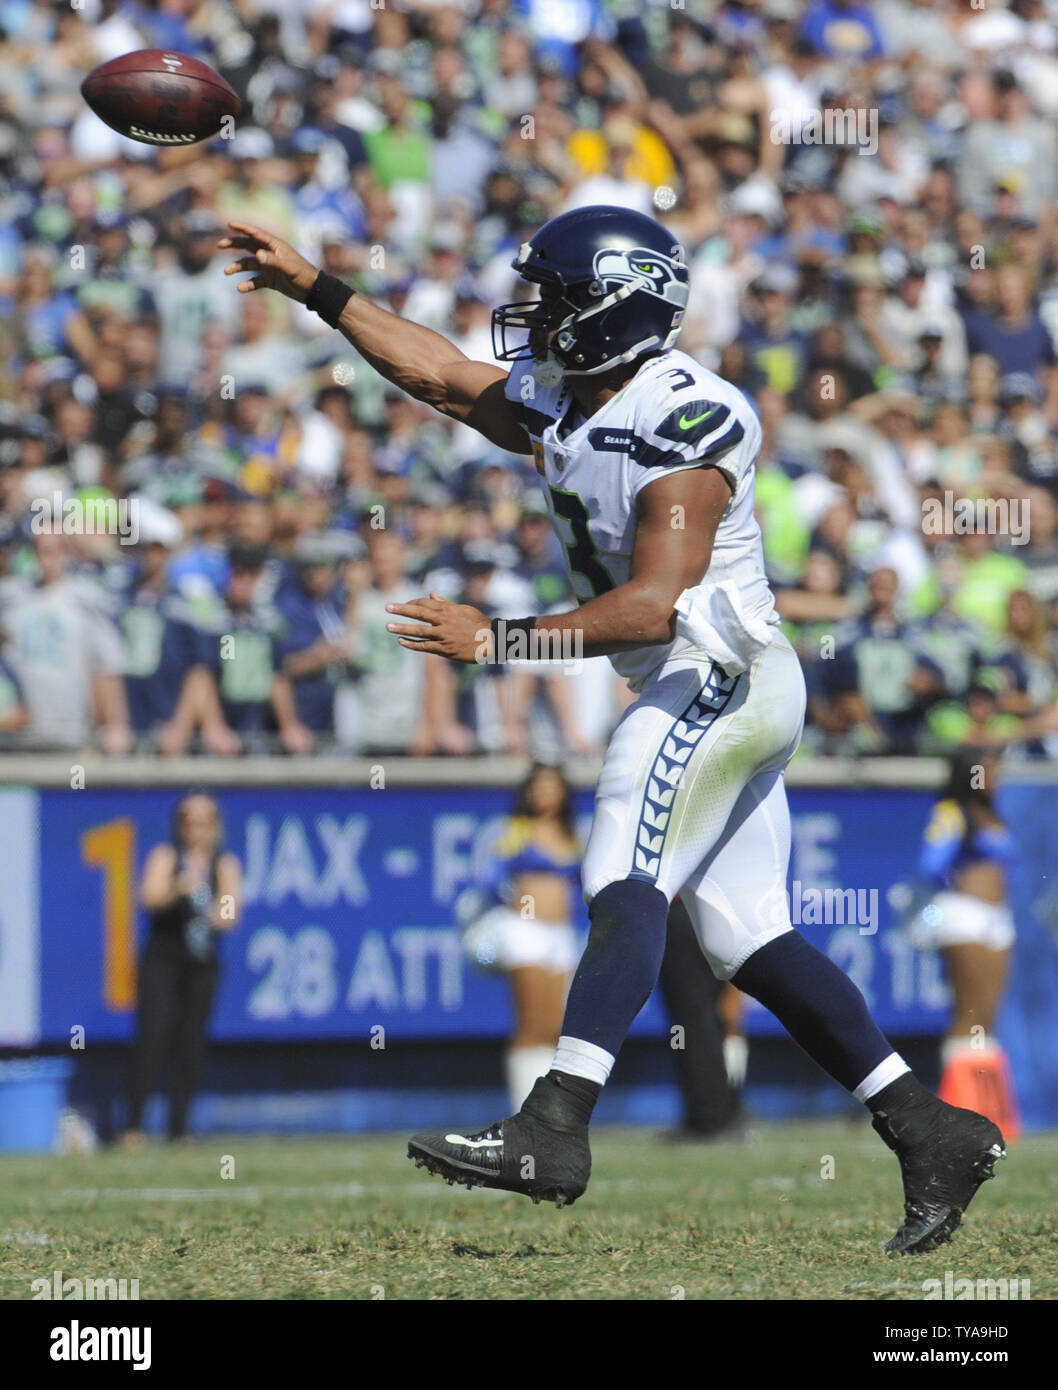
x=647, y=465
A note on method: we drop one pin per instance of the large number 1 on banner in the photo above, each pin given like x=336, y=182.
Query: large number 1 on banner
x=112, y=848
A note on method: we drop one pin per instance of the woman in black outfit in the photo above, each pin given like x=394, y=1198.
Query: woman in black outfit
x=191, y=891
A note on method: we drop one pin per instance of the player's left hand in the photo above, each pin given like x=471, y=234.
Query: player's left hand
x=454, y=630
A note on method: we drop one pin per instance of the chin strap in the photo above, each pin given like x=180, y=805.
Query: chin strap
x=647, y=345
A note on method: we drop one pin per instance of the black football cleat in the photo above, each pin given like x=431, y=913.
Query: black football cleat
x=549, y=1162
x=945, y=1155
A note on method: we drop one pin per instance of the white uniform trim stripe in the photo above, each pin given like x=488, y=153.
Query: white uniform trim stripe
x=666, y=773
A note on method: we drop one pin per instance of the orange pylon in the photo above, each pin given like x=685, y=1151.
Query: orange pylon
x=979, y=1078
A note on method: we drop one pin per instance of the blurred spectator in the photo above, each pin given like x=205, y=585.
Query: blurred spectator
x=984, y=580
x=65, y=655
x=927, y=336
x=1025, y=425
x=778, y=350
x=236, y=684
x=191, y=294
x=1040, y=556
x=47, y=320
x=614, y=177
x=200, y=569
x=1009, y=143
x=1010, y=329
x=1026, y=677
x=252, y=191
x=540, y=558
x=314, y=644
x=842, y=29
x=158, y=628
x=873, y=690
x=400, y=150
x=261, y=357
x=13, y=713
x=383, y=707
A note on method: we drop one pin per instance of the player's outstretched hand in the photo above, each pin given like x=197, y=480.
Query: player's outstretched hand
x=275, y=263
x=454, y=630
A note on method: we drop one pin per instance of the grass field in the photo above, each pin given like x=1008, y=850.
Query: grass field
x=351, y=1218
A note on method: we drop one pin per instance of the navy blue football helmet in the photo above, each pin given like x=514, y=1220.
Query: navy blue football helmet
x=613, y=286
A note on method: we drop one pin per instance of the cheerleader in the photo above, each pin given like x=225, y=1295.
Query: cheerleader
x=966, y=855
x=520, y=921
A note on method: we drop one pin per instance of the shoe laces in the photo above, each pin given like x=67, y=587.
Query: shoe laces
x=493, y=1132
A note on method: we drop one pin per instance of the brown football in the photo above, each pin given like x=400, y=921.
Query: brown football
x=159, y=97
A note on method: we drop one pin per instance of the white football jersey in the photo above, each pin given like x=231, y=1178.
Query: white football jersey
x=672, y=416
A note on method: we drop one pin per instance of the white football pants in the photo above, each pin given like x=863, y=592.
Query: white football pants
x=691, y=798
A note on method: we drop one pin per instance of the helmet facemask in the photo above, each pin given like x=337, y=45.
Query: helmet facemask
x=537, y=319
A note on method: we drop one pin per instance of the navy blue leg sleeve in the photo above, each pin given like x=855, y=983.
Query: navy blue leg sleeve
x=620, y=965
x=818, y=1005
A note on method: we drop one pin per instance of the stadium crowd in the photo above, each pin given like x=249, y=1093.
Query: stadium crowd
x=866, y=195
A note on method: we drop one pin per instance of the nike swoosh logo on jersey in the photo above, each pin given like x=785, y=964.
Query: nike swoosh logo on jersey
x=686, y=424
x=473, y=1143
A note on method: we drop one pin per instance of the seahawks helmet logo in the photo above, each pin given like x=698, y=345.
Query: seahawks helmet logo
x=647, y=270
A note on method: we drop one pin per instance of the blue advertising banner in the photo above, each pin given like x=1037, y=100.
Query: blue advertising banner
x=348, y=915
x=348, y=922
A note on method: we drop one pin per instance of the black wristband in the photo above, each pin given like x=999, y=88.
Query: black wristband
x=506, y=646
x=328, y=297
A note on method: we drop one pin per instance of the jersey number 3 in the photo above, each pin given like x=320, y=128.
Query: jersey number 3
x=583, y=557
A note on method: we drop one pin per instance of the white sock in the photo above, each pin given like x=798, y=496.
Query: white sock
x=524, y=1066
x=578, y=1058
x=736, y=1059
x=883, y=1075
